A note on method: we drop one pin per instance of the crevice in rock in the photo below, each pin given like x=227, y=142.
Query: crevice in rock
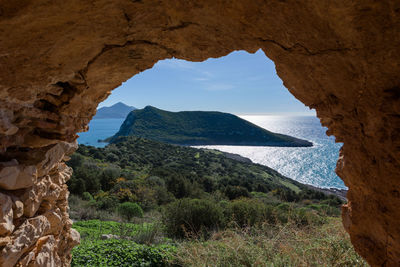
x=299, y=48
x=181, y=25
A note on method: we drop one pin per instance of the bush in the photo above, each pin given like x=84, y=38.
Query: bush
x=332, y=201
x=148, y=234
x=106, y=202
x=192, y=218
x=285, y=213
x=87, y=196
x=111, y=157
x=75, y=161
x=249, y=212
x=128, y=210
x=325, y=210
x=87, y=210
x=233, y=192
x=163, y=196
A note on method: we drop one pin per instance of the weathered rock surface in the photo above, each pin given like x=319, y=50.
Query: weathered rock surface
x=59, y=59
x=17, y=177
x=6, y=215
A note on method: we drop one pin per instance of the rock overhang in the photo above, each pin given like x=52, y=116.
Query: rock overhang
x=60, y=59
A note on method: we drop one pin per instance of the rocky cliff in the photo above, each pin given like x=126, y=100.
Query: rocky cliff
x=59, y=59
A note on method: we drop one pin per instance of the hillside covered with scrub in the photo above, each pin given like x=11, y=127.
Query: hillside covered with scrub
x=200, y=128
x=170, y=171
x=139, y=202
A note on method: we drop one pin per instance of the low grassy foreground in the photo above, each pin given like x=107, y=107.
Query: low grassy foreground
x=190, y=207
x=267, y=245
x=285, y=245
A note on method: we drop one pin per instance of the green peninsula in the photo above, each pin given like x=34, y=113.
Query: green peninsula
x=200, y=128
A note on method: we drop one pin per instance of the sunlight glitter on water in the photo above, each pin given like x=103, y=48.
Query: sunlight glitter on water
x=311, y=165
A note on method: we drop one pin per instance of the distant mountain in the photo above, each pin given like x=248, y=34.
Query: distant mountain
x=116, y=111
x=200, y=128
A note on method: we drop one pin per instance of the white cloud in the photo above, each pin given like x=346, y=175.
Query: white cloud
x=201, y=79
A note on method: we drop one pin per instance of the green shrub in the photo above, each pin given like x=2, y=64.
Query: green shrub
x=128, y=210
x=332, y=201
x=249, y=212
x=192, y=217
x=107, y=202
x=148, y=234
x=301, y=216
x=87, y=196
x=304, y=216
x=163, y=196
x=112, y=157
x=233, y=192
x=326, y=210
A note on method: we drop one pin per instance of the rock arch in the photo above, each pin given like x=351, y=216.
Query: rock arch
x=59, y=59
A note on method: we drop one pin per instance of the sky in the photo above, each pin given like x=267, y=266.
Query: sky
x=239, y=83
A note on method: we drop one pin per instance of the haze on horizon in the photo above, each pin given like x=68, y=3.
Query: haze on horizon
x=239, y=83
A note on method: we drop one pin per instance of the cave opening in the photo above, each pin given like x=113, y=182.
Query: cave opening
x=221, y=84
x=339, y=58
x=242, y=83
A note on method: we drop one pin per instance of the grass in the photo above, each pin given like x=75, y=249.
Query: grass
x=284, y=245
x=93, y=229
x=291, y=186
x=269, y=245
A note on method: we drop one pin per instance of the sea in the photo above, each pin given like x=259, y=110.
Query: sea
x=310, y=165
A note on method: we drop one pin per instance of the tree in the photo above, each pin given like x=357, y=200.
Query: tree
x=128, y=210
x=233, y=192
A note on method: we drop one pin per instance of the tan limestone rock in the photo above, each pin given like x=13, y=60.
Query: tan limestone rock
x=4, y=240
x=33, y=197
x=18, y=208
x=74, y=237
x=55, y=219
x=54, y=155
x=17, y=177
x=23, y=239
x=6, y=215
x=26, y=259
x=46, y=253
x=339, y=57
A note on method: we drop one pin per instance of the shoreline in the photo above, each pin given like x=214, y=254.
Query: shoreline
x=341, y=193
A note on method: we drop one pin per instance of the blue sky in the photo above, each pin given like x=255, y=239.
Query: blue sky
x=239, y=83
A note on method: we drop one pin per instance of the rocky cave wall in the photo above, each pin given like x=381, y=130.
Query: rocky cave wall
x=59, y=59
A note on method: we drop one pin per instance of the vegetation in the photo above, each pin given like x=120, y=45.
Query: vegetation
x=199, y=217
x=120, y=253
x=153, y=173
x=195, y=207
x=265, y=244
x=128, y=210
x=200, y=128
x=272, y=245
